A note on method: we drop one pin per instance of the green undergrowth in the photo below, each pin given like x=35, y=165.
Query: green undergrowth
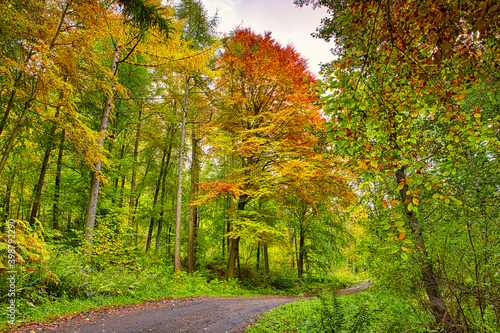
x=73, y=280
x=63, y=275
x=374, y=311
x=70, y=285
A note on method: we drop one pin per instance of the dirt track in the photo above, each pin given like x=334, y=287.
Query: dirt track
x=198, y=314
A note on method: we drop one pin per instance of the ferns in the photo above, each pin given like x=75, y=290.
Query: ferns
x=333, y=316
x=331, y=312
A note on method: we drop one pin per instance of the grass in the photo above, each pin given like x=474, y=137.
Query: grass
x=82, y=289
x=147, y=287
x=71, y=280
x=374, y=311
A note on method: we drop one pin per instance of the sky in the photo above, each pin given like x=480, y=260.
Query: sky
x=289, y=24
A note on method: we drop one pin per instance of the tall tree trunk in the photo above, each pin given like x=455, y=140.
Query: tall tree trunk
x=437, y=304
x=155, y=200
x=57, y=185
x=134, y=168
x=163, y=192
x=193, y=210
x=234, y=248
x=266, y=258
x=300, y=261
x=96, y=174
x=160, y=217
x=178, y=205
x=37, y=192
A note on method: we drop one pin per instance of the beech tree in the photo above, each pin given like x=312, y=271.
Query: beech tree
x=265, y=95
x=401, y=96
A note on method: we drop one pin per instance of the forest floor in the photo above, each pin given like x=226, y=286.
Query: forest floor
x=192, y=314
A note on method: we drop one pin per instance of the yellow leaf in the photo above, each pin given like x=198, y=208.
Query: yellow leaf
x=402, y=235
x=416, y=192
x=404, y=249
x=462, y=96
x=385, y=205
x=415, y=201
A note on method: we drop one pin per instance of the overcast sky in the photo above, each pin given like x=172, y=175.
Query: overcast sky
x=288, y=24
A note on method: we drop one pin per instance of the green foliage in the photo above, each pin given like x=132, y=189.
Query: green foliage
x=375, y=311
x=32, y=275
x=331, y=314
x=68, y=283
x=145, y=15
x=112, y=245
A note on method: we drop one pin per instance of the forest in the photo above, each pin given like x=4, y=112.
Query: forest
x=146, y=154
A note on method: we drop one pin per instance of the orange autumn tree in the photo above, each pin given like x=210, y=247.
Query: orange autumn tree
x=313, y=188
x=265, y=101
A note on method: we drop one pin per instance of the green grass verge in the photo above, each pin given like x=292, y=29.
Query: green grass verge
x=375, y=311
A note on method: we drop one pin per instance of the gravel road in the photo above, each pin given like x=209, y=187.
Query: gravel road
x=197, y=314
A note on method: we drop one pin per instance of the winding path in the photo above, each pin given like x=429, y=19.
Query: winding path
x=198, y=314
x=193, y=314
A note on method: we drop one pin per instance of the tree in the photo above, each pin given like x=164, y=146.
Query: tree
x=143, y=16
x=265, y=98
x=199, y=33
x=397, y=92
x=313, y=188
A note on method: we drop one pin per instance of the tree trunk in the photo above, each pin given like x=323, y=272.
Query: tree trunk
x=437, y=304
x=96, y=174
x=300, y=261
x=178, y=205
x=134, y=168
x=266, y=258
x=57, y=185
x=234, y=247
x=155, y=200
x=193, y=210
x=163, y=193
x=37, y=192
